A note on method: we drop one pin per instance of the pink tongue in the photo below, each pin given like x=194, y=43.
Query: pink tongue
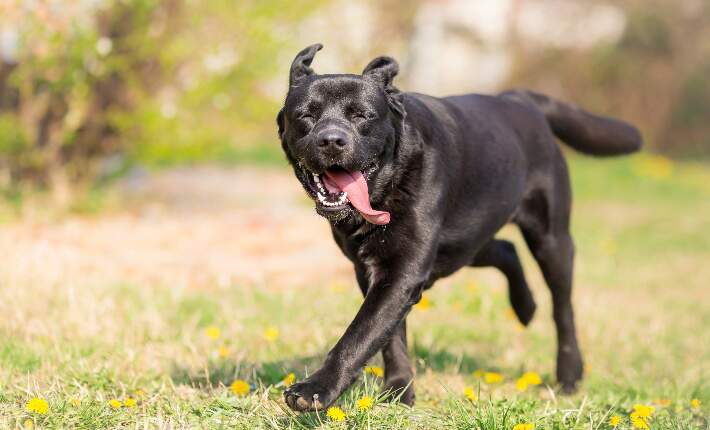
x=355, y=185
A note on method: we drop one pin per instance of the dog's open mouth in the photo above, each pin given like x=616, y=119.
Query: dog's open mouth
x=336, y=188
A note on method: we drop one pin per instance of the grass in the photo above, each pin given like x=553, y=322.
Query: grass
x=641, y=300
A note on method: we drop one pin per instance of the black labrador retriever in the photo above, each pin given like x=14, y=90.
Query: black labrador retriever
x=416, y=187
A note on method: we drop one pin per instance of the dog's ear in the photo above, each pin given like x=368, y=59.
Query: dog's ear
x=383, y=70
x=280, y=123
x=301, y=64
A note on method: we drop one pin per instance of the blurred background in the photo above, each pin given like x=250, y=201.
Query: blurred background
x=90, y=89
x=146, y=207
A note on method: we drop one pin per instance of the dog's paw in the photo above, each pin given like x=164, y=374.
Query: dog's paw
x=400, y=390
x=570, y=369
x=308, y=396
x=523, y=304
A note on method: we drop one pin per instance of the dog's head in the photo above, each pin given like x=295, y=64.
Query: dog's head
x=338, y=131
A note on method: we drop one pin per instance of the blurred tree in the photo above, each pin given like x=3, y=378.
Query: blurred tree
x=87, y=88
x=93, y=86
x=657, y=75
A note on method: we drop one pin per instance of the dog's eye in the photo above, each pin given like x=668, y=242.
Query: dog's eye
x=362, y=116
x=306, y=117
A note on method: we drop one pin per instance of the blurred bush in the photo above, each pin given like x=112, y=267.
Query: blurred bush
x=657, y=75
x=87, y=88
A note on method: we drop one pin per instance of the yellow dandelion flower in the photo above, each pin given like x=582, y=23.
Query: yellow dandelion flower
x=521, y=384
x=115, y=403
x=223, y=351
x=337, y=287
x=139, y=393
x=240, y=387
x=492, y=377
x=638, y=422
x=129, y=402
x=37, y=405
x=289, y=379
x=478, y=373
x=424, y=303
x=365, y=403
x=75, y=401
x=472, y=286
x=532, y=378
x=608, y=246
x=335, y=413
x=654, y=166
x=663, y=402
x=695, y=404
x=375, y=370
x=644, y=411
x=614, y=420
x=524, y=426
x=271, y=334
x=28, y=424
x=213, y=332
x=470, y=394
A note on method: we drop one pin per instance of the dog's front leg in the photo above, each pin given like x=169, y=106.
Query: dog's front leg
x=386, y=304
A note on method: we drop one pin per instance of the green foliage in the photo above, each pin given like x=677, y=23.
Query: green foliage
x=19, y=357
x=156, y=82
x=12, y=138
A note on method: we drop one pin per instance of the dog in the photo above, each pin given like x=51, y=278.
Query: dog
x=415, y=188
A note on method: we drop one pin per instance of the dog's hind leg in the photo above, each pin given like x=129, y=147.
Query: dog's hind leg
x=399, y=375
x=544, y=221
x=501, y=254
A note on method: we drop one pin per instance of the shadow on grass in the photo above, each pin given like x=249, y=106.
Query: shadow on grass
x=270, y=374
x=225, y=371
x=441, y=360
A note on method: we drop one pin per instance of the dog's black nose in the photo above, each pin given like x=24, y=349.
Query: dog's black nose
x=334, y=138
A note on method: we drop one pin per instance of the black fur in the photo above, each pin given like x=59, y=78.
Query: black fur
x=451, y=171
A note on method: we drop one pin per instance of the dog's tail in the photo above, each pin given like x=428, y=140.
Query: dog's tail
x=583, y=131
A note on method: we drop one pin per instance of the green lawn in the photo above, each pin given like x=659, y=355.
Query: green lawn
x=643, y=264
